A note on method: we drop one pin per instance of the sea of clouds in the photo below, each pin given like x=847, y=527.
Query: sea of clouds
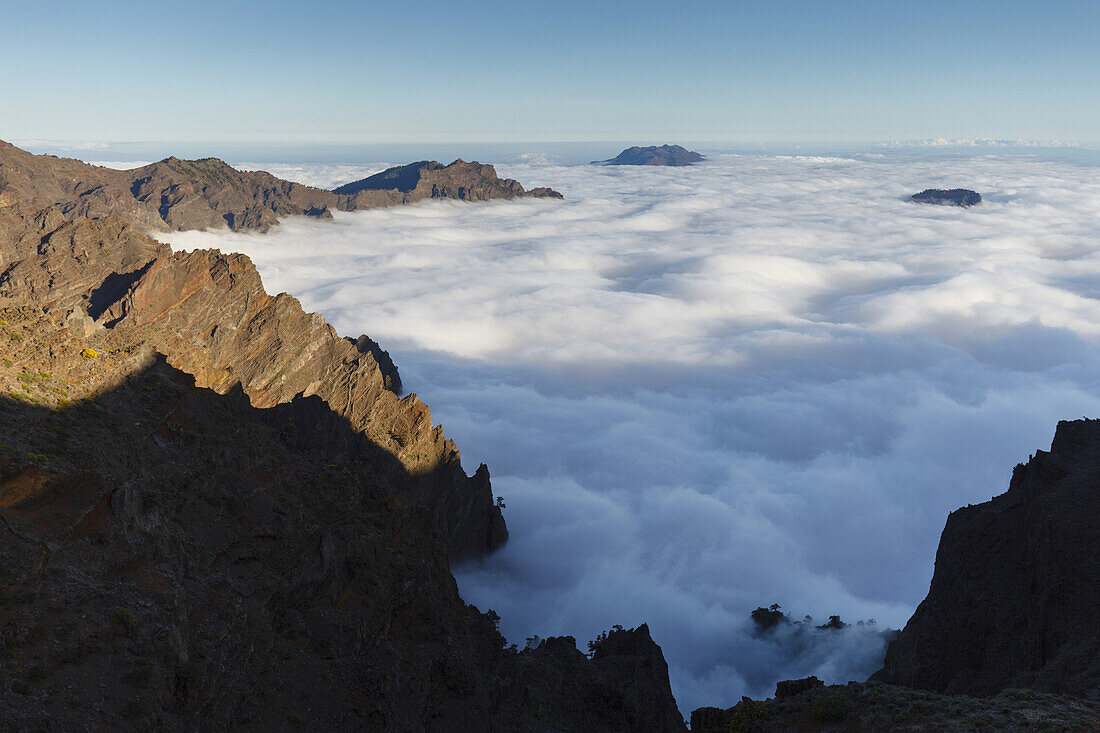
x=761, y=379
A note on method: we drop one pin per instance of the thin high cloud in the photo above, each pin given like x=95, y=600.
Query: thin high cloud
x=755, y=380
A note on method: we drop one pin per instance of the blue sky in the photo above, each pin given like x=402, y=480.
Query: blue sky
x=349, y=72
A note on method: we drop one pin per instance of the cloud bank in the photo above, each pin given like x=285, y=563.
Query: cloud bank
x=761, y=379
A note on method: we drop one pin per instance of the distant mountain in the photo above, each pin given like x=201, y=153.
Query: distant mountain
x=952, y=197
x=654, y=155
x=430, y=179
x=174, y=194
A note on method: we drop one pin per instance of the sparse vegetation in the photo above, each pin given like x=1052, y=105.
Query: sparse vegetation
x=595, y=644
x=829, y=709
x=122, y=618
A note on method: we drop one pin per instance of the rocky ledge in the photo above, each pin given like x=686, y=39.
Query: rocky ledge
x=654, y=155
x=954, y=197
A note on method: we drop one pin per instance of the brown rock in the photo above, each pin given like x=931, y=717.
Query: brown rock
x=175, y=194
x=790, y=688
x=209, y=314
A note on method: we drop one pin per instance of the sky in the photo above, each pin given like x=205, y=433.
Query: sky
x=405, y=72
x=759, y=379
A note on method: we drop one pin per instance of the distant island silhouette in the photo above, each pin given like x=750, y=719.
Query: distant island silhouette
x=952, y=197
x=653, y=155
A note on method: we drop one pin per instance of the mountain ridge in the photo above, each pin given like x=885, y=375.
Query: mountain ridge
x=207, y=193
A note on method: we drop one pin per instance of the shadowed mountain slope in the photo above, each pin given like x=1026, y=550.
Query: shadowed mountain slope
x=175, y=559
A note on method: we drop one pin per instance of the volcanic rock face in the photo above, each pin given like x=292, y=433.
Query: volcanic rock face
x=953, y=197
x=1015, y=598
x=175, y=194
x=428, y=179
x=654, y=155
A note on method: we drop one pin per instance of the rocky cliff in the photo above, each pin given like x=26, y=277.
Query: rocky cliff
x=1015, y=598
x=175, y=194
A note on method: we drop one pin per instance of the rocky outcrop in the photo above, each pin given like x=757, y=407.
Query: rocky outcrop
x=431, y=180
x=623, y=687
x=654, y=155
x=175, y=194
x=209, y=315
x=391, y=378
x=878, y=707
x=209, y=193
x=954, y=197
x=1015, y=598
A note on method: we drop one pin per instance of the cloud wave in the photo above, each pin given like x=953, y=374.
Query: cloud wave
x=759, y=379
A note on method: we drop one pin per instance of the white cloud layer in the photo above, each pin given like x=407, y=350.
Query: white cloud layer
x=701, y=390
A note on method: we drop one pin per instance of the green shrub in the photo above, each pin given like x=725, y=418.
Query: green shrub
x=122, y=618
x=829, y=709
